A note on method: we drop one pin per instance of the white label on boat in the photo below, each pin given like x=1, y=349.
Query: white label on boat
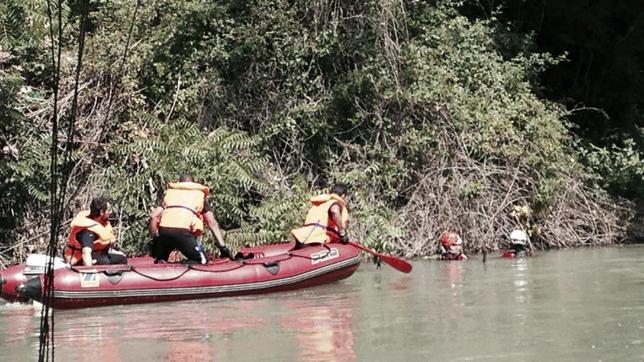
x=325, y=255
x=89, y=280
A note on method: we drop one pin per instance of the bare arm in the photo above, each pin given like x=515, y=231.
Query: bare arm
x=336, y=215
x=213, y=225
x=155, y=219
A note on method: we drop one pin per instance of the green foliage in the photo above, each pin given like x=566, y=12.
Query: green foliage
x=457, y=64
x=24, y=159
x=23, y=24
x=548, y=188
x=150, y=153
x=269, y=102
x=272, y=220
x=601, y=79
x=471, y=190
x=9, y=185
x=620, y=169
x=381, y=228
x=24, y=147
x=24, y=29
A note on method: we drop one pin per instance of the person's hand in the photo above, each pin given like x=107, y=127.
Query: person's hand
x=224, y=252
x=115, y=251
x=344, y=238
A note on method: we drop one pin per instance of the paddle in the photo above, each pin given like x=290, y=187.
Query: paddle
x=396, y=263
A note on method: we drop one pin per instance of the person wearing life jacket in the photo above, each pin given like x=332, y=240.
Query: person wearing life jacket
x=326, y=221
x=179, y=221
x=91, y=239
x=519, y=245
x=450, y=246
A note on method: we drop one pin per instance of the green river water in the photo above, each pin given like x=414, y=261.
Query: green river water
x=571, y=305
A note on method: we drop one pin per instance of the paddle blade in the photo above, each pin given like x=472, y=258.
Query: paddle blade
x=396, y=263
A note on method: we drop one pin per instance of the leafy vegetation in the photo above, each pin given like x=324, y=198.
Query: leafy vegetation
x=434, y=119
x=600, y=81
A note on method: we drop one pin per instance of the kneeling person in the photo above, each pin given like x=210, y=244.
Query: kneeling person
x=178, y=222
x=326, y=221
x=91, y=238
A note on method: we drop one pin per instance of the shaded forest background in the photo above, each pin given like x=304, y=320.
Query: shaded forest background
x=476, y=116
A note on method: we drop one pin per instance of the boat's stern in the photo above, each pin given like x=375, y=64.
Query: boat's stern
x=19, y=283
x=10, y=279
x=31, y=289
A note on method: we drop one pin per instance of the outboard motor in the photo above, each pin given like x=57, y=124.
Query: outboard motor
x=16, y=275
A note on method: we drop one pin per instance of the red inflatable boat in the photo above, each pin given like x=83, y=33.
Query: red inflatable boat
x=264, y=269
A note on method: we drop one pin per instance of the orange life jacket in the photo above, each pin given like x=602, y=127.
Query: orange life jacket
x=183, y=205
x=81, y=222
x=319, y=227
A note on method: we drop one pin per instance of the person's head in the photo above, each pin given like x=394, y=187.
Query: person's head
x=186, y=178
x=451, y=240
x=518, y=237
x=339, y=189
x=100, y=208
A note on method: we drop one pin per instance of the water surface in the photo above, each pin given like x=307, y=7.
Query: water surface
x=584, y=304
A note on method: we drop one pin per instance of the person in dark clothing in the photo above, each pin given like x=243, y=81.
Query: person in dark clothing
x=179, y=220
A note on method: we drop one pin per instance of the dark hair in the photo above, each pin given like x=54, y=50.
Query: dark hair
x=339, y=189
x=186, y=178
x=98, y=205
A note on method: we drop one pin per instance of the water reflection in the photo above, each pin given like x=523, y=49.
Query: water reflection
x=20, y=318
x=452, y=271
x=324, y=331
x=185, y=328
x=453, y=279
x=319, y=324
x=520, y=281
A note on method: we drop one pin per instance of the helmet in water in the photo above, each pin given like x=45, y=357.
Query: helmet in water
x=519, y=237
x=450, y=238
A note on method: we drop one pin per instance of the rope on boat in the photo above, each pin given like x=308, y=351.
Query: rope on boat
x=240, y=265
x=133, y=269
x=289, y=256
x=106, y=271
